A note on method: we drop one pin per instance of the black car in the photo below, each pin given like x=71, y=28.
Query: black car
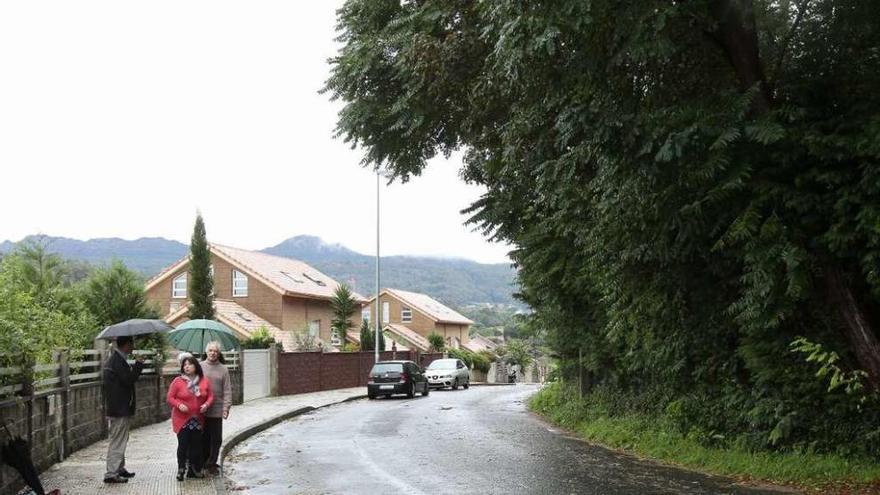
x=396, y=377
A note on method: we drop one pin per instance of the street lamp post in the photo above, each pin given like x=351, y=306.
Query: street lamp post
x=378, y=317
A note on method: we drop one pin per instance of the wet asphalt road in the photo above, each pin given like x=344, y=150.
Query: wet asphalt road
x=481, y=440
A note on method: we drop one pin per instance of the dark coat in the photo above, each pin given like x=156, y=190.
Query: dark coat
x=119, y=379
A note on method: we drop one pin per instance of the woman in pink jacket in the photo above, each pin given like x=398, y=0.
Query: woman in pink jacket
x=189, y=396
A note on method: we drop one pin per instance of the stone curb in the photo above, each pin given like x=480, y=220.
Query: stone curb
x=220, y=481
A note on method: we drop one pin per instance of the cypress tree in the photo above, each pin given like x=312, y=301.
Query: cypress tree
x=367, y=343
x=201, y=282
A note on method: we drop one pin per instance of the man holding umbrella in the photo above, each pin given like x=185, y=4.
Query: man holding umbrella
x=119, y=382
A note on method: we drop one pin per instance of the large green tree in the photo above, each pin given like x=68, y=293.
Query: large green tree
x=201, y=278
x=690, y=186
x=115, y=293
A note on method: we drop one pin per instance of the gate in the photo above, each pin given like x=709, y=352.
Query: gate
x=255, y=377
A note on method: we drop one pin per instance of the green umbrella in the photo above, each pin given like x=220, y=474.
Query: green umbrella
x=194, y=335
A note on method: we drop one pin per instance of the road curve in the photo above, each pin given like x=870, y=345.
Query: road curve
x=481, y=440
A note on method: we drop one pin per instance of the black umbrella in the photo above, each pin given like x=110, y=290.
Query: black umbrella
x=17, y=453
x=134, y=327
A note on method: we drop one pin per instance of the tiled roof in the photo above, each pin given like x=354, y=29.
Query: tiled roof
x=410, y=338
x=479, y=343
x=241, y=320
x=430, y=307
x=287, y=275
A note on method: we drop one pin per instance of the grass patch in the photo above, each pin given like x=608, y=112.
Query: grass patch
x=657, y=438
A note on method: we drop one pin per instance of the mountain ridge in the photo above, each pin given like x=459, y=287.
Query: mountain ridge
x=455, y=281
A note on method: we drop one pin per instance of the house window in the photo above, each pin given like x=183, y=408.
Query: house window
x=365, y=315
x=239, y=284
x=386, y=312
x=405, y=314
x=178, y=286
x=335, y=340
x=315, y=328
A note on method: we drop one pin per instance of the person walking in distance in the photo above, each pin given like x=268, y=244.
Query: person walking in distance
x=118, y=379
x=218, y=374
x=189, y=396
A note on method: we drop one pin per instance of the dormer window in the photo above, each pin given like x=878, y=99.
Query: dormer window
x=292, y=277
x=178, y=287
x=239, y=284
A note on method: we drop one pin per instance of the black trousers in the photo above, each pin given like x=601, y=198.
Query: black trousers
x=189, y=448
x=211, y=440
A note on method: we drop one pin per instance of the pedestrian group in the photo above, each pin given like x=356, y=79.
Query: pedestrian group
x=199, y=398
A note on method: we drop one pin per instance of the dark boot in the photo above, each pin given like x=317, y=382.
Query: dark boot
x=180, y=473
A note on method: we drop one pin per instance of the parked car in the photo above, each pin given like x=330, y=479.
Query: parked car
x=450, y=373
x=396, y=377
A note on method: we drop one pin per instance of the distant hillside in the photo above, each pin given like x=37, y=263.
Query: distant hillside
x=453, y=281
x=147, y=255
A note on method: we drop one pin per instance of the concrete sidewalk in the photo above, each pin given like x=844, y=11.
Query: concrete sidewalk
x=152, y=450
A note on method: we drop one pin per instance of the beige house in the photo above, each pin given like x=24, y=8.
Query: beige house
x=253, y=290
x=409, y=317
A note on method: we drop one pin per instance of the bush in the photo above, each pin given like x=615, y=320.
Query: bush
x=470, y=359
x=481, y=362
x=303, y=341
x=437, y=342
x=260, y=339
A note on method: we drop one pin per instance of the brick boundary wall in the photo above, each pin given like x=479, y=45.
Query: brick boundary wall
x=59, y=422
x=303, y=372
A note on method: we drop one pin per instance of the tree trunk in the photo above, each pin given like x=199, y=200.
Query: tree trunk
x=856, y=329
x=738, y=37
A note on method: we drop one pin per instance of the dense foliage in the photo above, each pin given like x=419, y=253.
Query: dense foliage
x=48, y=302
x=692, y=188
x=115, y=293
x=201, y=276
x=259, y=339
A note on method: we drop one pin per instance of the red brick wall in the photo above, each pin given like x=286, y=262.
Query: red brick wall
x=301, y=372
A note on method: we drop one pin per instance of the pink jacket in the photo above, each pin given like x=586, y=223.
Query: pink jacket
x=178, y=393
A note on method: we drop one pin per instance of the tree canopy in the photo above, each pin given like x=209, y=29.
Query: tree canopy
x=692, y=188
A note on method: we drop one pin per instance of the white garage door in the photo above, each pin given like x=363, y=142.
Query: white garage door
x=256, y=373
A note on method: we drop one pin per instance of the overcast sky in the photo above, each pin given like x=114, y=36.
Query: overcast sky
x=121, y=119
